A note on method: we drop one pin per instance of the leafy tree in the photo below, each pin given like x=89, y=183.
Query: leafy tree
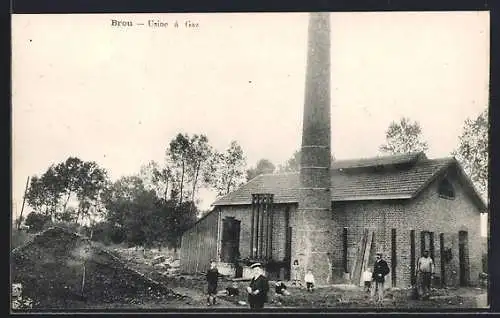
x=263, y=166
x=70, y=174
x=36, y=221
x=226, y=170
x=178, y=153
x=51, y=192
x=200, y=152
x=136, y=215
x=127, y=207
x=404, y=137
x=93, y=181
x=67, y=215
x=472, y=151
x=157, y=178
x=188, y=158
x=180, y=218
x=35, y=196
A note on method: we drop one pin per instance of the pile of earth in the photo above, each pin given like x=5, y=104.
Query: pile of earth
x=62, y=269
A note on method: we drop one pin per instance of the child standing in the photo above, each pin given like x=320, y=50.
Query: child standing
x=367, y=278
x=309, y=279
x=212, y=280
x=295, y=271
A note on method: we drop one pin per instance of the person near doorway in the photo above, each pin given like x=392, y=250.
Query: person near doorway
x=380, y=270
x=309, y=280
x=259, y=287
x=425, y=272
x=212, y=280
x=367, y=279
x=295, y=271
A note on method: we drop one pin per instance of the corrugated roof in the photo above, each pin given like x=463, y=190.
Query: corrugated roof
x=403, y=177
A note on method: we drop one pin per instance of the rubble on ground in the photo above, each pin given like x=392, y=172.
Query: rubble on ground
x=154, y=262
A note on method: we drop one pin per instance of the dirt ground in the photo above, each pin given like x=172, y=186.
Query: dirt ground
x=337, y=296
x=184, y=291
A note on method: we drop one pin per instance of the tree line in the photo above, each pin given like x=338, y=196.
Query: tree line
x=160, y=202
x=152, y=207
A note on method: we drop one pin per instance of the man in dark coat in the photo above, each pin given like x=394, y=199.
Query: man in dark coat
x=259, y=286
x=380, y=270
x=212, y=280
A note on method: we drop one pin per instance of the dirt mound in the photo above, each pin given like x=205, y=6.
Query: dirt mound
x=54, y=265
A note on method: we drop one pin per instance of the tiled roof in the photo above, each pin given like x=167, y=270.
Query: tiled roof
x=403, y=176
x=380, y=160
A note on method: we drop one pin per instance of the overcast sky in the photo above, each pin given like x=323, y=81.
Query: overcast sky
x=117, y=96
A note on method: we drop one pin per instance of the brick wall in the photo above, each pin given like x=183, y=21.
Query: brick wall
x=427, y=212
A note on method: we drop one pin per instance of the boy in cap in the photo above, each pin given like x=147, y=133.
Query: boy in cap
x=212, y=280
x=380, y=270
x=259, y=286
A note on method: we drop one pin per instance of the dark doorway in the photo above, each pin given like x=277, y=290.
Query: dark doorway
x=230, y=251
x=344, y=250
x=393, y=257
x=288, y=253
x=442, y=258
x=427, y=243
x=413, y=277
x=288, y=245
x=463, y=257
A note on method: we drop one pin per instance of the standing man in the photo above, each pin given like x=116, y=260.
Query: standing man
x=212, y=280
x=425, y=271
x=380, y=270
x=259, y=286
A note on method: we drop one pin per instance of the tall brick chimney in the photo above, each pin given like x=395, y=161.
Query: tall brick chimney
x=312, y=242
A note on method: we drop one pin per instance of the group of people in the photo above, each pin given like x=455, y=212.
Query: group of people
x=257, y=290
x=374, y=281
x=308, y=278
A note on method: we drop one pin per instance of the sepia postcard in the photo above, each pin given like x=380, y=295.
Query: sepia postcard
x=333, y=161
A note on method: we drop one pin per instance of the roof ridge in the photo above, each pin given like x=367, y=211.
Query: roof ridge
x=362, y=184
x=413, y=153
x=449, y=158
x=285, y=173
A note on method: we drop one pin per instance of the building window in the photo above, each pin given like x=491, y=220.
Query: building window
x=446, y=189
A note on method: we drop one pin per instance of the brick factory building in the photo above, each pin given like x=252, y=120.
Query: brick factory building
x=398, y=204
x=333, y=217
